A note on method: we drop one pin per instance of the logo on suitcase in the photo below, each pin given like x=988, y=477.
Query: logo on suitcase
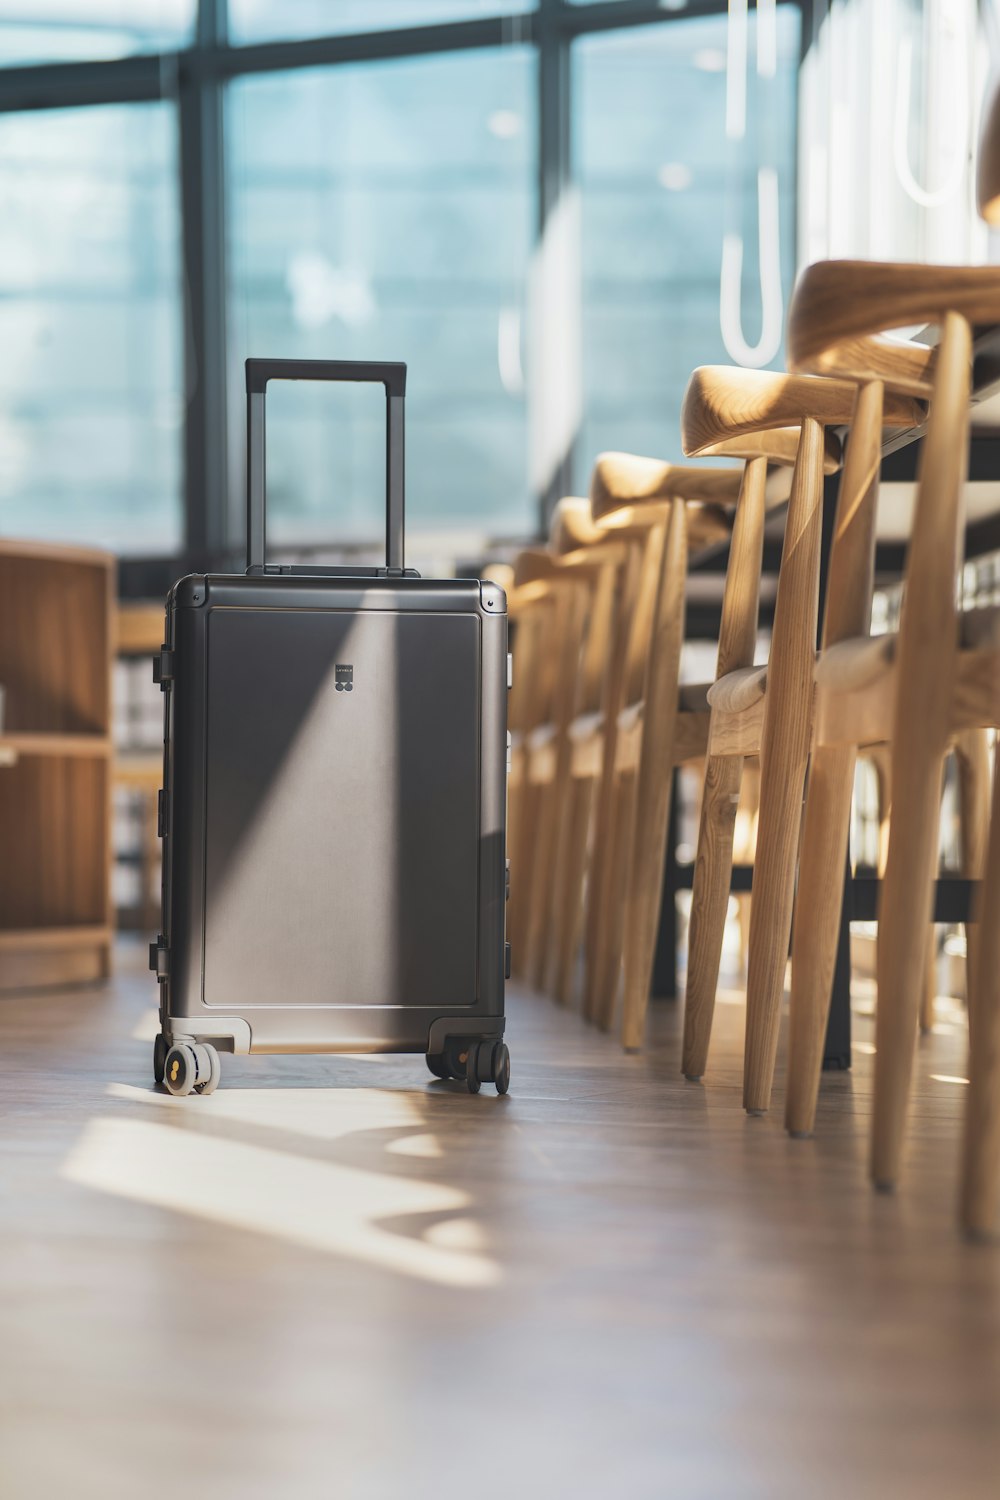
x=344, y=679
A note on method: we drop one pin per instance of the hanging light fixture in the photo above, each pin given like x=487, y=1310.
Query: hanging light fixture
x=947, y=49
x=754, y=356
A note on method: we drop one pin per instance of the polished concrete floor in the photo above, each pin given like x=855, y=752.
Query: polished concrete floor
x=337, y=1277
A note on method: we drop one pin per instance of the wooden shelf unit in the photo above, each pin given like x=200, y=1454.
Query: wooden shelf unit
x=56, y=642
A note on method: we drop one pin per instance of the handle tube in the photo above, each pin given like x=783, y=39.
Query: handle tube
x=391, y=376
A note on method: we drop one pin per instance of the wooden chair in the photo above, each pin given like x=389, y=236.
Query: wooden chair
x=918, y=690
x=761, y=711
x=530, y=608
x=660, y=510
x=661, y=723
x=581, y=581
x=619, y=638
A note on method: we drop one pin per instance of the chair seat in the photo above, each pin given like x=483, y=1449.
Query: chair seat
x=854, y=664
x=739, y=690
x=692, y=697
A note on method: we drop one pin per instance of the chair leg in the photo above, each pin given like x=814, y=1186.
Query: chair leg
x=904, y=916
x=642, y=916
x=972, y=757
x=598, y=888
x=782, y=784
x=928, y=999
x=818, y=907
x=521, y=876
x=568, y=901
x=542, y=878
x=980, y=1198
x=620, y=861
x=709, y=904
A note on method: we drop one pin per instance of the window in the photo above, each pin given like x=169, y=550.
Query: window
x=387, y=211
x=90, y=380
x=660, y=186
x=381, y=200
x=34, y=31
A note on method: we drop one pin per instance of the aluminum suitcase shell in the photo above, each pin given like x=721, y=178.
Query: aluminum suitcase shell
x=333, y=812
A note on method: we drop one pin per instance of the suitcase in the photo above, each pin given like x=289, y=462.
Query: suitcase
x=334, y=800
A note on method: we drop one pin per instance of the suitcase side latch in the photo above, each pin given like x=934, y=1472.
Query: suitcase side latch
x=163, y=666
x=159, y=958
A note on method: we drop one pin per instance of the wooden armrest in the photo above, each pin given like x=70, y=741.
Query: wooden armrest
x=780, y=448
x=534, y=565
x=623, y=479
x=722, y=404
x=841, y=306
x=573, y=526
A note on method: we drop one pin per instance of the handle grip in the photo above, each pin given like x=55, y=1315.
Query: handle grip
x=390, y=375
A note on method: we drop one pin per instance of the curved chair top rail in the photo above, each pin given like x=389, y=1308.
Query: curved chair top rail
x=840, y=308
x=726, y=405
x=534, y=565
x=625, y=479
x=573, y=527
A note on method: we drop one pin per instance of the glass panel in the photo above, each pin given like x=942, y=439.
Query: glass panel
x=264, y=20
x=91, y=375
x=910, y=76
x=661, y=185
x=35, y=31
x=387, y=211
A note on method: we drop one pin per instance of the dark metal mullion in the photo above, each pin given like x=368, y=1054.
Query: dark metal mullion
x=126, y=80
x=202, y=166
x=554, y=172
x=368, y=46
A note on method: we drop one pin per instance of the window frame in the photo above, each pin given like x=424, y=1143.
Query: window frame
x=195, y=79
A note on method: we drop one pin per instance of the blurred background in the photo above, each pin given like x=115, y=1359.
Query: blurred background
x=551, y=214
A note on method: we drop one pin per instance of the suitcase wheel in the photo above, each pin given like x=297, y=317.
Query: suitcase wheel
x=190, y=1068
x=488, y=1062
x=159, y=1056
x=451, y=1063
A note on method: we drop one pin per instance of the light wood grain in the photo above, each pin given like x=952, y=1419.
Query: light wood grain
x=928, y=640
x=657, y=759
x=826, y=824
x=56, y=633
x=722, y=405
x=972, y=758
x=720, y=796
x=839, y=304
x=784, y=754
x=979, y=1199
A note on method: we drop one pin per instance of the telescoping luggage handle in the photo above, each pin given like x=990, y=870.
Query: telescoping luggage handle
x=391, y=376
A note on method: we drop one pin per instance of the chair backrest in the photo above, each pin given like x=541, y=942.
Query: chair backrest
x=841, y=312
x=740, y=411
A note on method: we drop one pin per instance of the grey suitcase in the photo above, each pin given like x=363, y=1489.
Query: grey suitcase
x=334, y=800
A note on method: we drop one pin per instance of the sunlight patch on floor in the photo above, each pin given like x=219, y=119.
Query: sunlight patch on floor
x=319, y=1205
